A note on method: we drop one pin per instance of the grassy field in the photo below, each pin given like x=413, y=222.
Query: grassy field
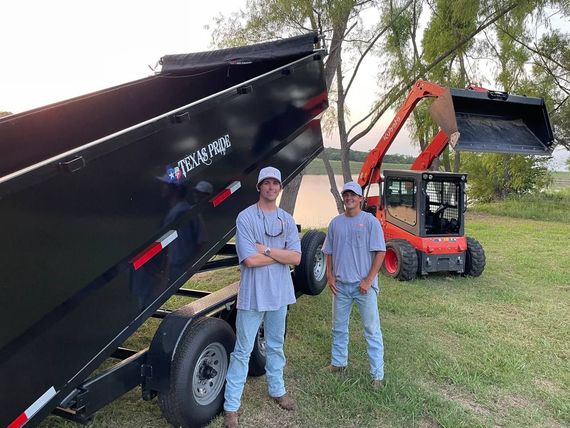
x=551, y=205
x=460, y=352
x=316, y=167
x=561, y=179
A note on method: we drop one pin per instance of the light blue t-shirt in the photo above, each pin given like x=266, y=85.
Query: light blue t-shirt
x=352, y=242
x=265, y=288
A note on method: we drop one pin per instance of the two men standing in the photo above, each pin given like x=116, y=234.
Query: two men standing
x=267, y=242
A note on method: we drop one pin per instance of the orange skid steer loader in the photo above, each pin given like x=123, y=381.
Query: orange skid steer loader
x=422, y=211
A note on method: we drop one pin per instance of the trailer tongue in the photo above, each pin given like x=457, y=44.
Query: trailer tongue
x=109, y=202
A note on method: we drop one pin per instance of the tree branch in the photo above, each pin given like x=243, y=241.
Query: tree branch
x=407, y=85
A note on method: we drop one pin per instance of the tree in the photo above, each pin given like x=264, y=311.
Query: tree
x=530, y=65
x=496, y=176
x=455, y=35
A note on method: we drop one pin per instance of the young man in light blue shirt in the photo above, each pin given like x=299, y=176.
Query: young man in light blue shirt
x=355, y=250
x=267, y=242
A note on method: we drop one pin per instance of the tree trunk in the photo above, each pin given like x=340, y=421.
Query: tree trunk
x=289, y=196
x=332, y=181
x=290, y=192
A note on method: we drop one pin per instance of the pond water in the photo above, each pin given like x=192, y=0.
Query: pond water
x=315, y=205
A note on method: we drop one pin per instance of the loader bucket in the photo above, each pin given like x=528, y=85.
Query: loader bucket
x=490, y=121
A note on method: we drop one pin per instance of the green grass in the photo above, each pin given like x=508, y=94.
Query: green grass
x=459, y=352
x=561, y=179
x=549, y=206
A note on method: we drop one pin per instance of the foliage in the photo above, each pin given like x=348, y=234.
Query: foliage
x=494, y=176
x=544, y=206
x=462, y=41
x=5, y=113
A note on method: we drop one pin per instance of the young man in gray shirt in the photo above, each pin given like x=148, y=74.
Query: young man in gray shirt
x=267, y=242
x=355, y=250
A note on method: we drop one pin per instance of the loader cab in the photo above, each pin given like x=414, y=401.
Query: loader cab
x=425, y=203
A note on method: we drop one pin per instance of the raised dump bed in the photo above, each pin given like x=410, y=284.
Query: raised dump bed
x=110, y=201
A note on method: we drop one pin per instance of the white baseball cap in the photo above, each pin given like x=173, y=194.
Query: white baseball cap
x=268, y=172
x=352, y=186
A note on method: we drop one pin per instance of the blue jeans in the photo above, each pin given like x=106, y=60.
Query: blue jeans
x=368, y=307
x=247, y=325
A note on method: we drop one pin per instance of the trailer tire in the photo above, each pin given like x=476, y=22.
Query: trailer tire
x=198, y=373
x=257, y=357
x=474, y=258
x=400, y=261
x=310, y=276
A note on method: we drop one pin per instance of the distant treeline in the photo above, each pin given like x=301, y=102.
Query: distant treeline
x=334, y=154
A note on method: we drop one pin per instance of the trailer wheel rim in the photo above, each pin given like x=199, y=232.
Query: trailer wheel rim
x=319, y=265
x=209, y=373
x=391, y=261
x=261, y=342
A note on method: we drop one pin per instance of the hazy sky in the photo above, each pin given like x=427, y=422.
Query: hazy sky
x=53, y=50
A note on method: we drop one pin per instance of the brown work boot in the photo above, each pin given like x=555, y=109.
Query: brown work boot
x=334, y=369
x=285, y=402
x=230, y=419
x=377, y=384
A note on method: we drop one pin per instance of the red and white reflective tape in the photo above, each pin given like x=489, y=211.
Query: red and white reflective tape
x=33, y=409
x=155, y=248
x=224, y=194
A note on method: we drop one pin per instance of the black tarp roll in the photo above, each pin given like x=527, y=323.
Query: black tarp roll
x=279, y=52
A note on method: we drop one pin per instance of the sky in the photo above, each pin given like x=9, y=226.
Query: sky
x=54, y=50
x=58, y=49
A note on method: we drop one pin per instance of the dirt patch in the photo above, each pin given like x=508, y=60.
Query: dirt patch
x=547, y=386
x=465, y=400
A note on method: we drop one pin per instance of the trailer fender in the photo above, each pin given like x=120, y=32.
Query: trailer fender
x=171, y=331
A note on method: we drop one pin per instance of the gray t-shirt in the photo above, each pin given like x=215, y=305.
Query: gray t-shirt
x=265, y=288
x=352, y=242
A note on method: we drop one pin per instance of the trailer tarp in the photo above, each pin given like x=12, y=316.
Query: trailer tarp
x=279, y=51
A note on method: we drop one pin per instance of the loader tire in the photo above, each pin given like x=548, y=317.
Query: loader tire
x=310, y=276
x=401, y=260
x=198, y=374
x=474, y=258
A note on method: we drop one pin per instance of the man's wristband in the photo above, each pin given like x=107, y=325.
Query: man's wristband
x=267, y=252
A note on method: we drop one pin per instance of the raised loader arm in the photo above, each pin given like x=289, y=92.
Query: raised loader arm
x=370, y=171
x=488, y=121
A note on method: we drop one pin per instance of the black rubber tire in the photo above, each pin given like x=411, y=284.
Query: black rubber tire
x=206, y=344
x=474, y=258
x=310, y=276
x=401, y=260
x=257, y=357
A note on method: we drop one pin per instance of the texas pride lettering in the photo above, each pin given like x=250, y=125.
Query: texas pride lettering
x=203, y=156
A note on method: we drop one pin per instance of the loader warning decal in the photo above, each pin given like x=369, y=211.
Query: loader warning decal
x=200, y=158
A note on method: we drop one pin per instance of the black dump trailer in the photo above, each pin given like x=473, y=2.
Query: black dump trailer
x=111, y=201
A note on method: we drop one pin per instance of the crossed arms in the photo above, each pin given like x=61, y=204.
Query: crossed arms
x=278, y=255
